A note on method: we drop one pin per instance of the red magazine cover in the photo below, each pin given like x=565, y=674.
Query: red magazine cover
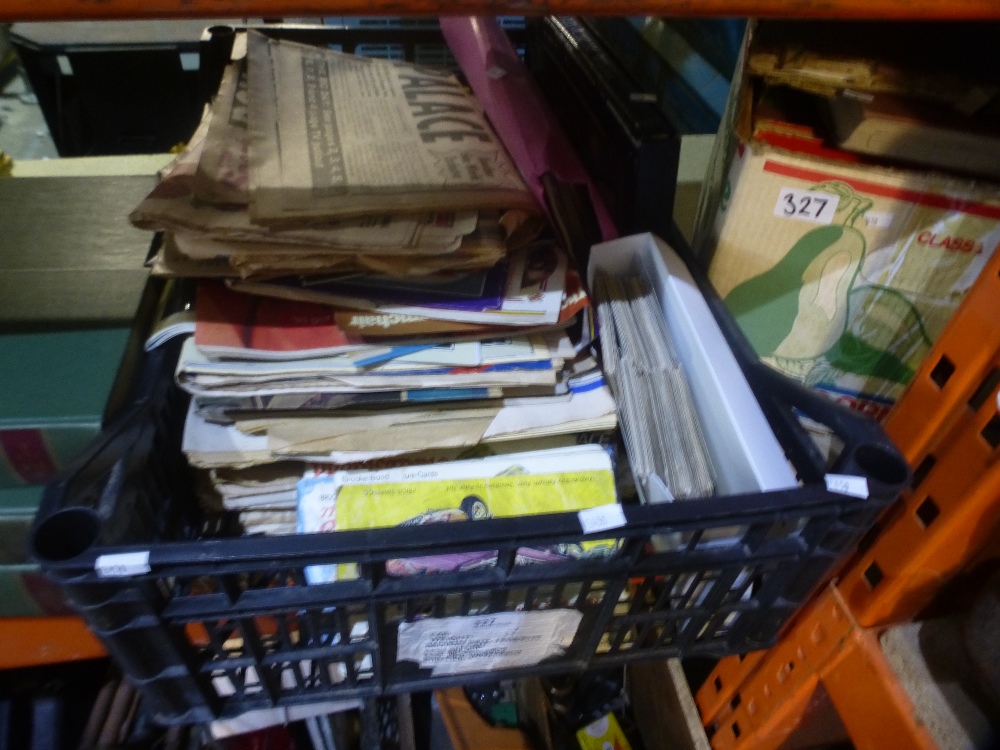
x=231, y=324
x=236, y=325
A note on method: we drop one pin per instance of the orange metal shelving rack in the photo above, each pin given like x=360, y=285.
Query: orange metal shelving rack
x=947, y=424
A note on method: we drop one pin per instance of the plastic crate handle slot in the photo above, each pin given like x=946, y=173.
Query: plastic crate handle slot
x=867, y=450
x=65, y=533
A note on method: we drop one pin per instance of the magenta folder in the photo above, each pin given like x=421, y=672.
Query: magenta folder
x=518, y=111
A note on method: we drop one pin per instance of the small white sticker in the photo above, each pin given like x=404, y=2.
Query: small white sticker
x=847, y=484
x=861, y=96
x=602, y=518
x=122, y=565
x=878, y=219
x=806, y=205
x=496, y=72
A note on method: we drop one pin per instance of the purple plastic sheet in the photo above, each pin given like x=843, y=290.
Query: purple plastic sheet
x=517, y=110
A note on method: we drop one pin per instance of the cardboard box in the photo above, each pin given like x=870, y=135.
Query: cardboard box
x=842, y=275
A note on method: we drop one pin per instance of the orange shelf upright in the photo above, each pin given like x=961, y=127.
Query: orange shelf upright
x=827, y=644
x=948, y=426
x=939, y=527
x=835, y=651
x=34, y=641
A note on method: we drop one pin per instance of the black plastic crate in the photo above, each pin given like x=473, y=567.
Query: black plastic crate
x=217, y=626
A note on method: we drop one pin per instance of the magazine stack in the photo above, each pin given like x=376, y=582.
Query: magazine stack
x=376, y=290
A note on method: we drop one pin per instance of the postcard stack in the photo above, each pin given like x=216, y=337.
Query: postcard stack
x=376, y=288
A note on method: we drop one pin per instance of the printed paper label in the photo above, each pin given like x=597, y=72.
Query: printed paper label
x=806, y=205
x=482, y=643
x=122, y=565
x=846, y=484
x=602, y=518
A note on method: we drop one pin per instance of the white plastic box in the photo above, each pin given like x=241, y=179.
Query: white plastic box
x=743, y=449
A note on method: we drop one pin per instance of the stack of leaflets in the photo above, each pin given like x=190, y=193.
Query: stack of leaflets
x=375, y=285
x=660, y=426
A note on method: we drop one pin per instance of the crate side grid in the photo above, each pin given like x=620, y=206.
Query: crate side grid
x=233, y=560
x=702, y=628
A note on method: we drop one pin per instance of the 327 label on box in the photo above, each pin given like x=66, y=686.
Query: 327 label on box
x=806, y=205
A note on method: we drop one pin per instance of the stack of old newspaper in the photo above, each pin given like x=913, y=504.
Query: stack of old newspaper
x=376, y=285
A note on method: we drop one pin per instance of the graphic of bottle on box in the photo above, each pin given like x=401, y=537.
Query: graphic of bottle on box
x=811, y=315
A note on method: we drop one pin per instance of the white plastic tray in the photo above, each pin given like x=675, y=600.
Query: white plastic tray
x=746, y=455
